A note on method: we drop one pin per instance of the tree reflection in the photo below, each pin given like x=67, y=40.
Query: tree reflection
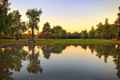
x=117, y=60
x=105, y=52
x=10, y=60
x=55, y=49
x=92, y=48
x=84, y=46
x=34, y=65
x=11, y=57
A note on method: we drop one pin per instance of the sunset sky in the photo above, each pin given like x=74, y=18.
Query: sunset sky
x=72, y=15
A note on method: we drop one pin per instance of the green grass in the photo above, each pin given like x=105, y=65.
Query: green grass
x=61, y=42
x=7, y=41
x=76, y=41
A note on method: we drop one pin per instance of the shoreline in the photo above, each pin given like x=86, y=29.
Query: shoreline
x=60, y=42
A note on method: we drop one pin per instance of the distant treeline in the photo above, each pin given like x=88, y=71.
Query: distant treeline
x=11, y=26
x=102, y=31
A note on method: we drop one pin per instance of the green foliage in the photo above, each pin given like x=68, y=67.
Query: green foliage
x=47, y=31
x=3, y=16
x=91, y=33
x=117, y=23
x=11, y=26
x=58, y=32
x=47, y=27
x=106, y=31
x=84, y=34
x=10, y=23
x=15, y=23
x=55, y=32
x=33, y=15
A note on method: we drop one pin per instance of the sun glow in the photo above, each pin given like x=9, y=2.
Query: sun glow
x=73, y=16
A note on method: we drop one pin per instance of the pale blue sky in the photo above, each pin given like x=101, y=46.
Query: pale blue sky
x=73, y=15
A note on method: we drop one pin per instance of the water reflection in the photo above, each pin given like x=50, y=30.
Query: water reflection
x=12, y=57
x=10, y=60
x=48, y=50
x=106, y=51
x=34, y=62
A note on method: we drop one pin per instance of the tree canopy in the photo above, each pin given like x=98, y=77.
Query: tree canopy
x=11, y=26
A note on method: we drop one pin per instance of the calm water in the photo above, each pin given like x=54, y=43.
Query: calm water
x=68, y=62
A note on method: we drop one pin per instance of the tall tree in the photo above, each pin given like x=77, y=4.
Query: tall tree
x=3, y=16
x=107, y=29
x=33, y=15
x=117, y=22
x=15, y=25
x=99, y=30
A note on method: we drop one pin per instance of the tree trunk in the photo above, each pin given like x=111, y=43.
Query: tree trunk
x=33, y=36
x=118, y=33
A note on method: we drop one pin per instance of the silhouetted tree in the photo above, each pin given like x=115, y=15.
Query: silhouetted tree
x=47, y=31
x=58, y=32
x=91, y=33
x=117, y=22
x=33, y=15
x=84, y=34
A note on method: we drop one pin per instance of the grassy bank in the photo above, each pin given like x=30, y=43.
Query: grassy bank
x=60, y=42
x=75, y=41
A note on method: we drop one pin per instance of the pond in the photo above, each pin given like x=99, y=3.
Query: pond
x=59, y=62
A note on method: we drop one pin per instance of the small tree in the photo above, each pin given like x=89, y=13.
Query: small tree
x=58, y=32
x=84, y=34
x=46, y=32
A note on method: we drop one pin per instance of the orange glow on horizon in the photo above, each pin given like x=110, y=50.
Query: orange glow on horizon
x=70, y=20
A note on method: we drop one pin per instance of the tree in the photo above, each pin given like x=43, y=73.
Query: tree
x=16, y=26
x=117, y=22
x=46, y=32
x=33, y=15
x=99, y=31
x=91, y=33
x=58, y=32
x=107, y=29
x=110, y=30
x=3, y=16
x=84, y=34
x=46, y=27
x=15, y=23
x=114, y=31
x=23, y=27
